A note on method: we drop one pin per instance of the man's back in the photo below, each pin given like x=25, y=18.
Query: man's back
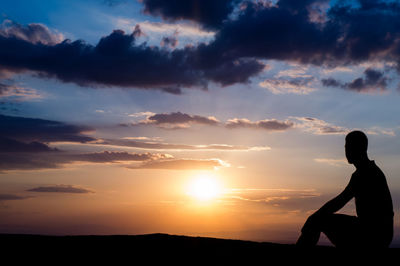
x=373, y=205
x=371, y=192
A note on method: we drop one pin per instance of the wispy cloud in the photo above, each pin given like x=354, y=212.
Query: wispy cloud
x=332, y=162
x=179, y=147
x=297, y=85
x=19, y=93
x=283, y=198
x=61, y=189
x=318, y=126
x=183, y=164
x=381, y=131
x=176, y=120
x=267, y=124
x=115, y=156
x=141, y=114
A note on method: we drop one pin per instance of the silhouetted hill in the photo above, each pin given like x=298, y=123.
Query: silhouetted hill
x=154, y=247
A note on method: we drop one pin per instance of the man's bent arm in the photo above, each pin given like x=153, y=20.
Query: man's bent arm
x=338, y=202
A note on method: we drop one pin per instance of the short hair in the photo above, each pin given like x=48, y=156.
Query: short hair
x=358, y=140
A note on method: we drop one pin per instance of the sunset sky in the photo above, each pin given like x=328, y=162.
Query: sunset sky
x=198, y=117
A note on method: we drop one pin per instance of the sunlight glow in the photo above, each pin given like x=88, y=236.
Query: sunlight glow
x=204, y=187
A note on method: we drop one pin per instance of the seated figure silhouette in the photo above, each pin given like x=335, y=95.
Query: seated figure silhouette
x=373, y=225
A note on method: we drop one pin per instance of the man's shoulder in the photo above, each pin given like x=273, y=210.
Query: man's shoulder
x=376, y=168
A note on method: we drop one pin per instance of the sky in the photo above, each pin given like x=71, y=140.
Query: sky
x=210, y=118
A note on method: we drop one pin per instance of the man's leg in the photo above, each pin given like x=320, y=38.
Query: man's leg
x=342, y=230
x=310, y=232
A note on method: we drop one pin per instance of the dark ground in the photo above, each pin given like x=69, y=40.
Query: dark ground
x=163, y=248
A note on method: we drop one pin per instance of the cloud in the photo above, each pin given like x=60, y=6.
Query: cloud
x=268, y=124
x=332, y=162
x=183, y=164
x=373, y=80
x=331, y=82
x=284, y=199
x=61, y=189
x=382, y=131
x=318, y=32
x=34, y=33
x=298, y=72
x=209, y=13
x=34, y=129
x=178, y=147
x=114, y=156
x=18, y=93
x=178, y=120
x=184, y=30
x=350, y=34
x=28, y=161
x=119, y=60
x=25, y=143
x=169, y=42
x=298, y=85
x=318, y=126
x=139, y=114
x=39, y=158
x=6, y=197
x=11, y=145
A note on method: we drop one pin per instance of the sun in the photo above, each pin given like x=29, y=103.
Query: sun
x=204, y=187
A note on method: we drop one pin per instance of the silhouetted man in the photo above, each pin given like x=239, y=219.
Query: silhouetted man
x=373, y=225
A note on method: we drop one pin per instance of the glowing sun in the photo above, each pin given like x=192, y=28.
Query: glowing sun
x=204, y=187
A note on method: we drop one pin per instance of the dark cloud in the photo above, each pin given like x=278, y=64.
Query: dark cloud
x=347, y=32
x=6, y=197
x=34, y=129
x=228, y=72
x=28, y=161
x=11, y=145
x=172, y=90
x=272, y=33
x=268, y=124
x=61, y=189
x=373, y=80
x=24, y=143
x=24, y=159
x=183, y=164
x=350, y=34
x=169, y=42
x=178, y=120
x=331, y=82
x=209, y=13
x=117, y=60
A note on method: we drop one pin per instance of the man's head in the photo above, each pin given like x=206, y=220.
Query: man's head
x=356, y=146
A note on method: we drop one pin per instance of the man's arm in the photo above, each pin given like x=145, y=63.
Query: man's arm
x=338, y=202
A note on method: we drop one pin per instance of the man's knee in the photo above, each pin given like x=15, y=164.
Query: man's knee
x=315, y=223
